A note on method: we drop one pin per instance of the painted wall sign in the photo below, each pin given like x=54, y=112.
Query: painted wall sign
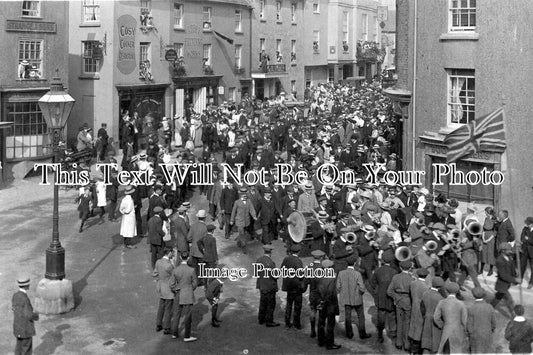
x=127, y=26
x=30, y=26
x=193, y=42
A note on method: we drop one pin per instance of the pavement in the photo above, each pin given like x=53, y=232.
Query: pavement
x=115, y=295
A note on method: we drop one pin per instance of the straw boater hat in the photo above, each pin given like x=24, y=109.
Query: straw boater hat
x=201, y=214
x=23, y=281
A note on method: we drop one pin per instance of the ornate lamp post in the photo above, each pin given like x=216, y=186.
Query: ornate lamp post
x=54, y=292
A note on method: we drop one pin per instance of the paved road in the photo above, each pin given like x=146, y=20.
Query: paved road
x=115, y=293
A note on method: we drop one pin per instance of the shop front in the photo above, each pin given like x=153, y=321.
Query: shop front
x=146, y=100
x=451, y=185
x=195, y=93
x=266, y=83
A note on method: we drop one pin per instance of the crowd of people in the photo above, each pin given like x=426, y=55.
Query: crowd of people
x=410, y=250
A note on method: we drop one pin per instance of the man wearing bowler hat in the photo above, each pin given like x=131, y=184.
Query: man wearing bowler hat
x=24, y=317
x=197, y=233
x=267, y=286
x=242, y=210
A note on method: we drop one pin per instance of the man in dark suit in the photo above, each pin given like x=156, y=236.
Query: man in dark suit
x=212, y=294
x=506, y=276
x=155, y=235
x=526, y=239
x=367, y=249
x=183, y=282
x=24, y=316
x=328, y=308
x=314, y=297
x=179, y=228
x=228, y=197
x=505, y=229
x=399, y=291
x=112, y=196
x=197, y=232
x=342, y=251
x=267, y=216
x=267, y=286
x=294, y=286
x=162, y=273
x=379, y=282
x=208, y=247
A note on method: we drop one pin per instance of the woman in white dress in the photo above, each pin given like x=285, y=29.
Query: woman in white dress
x=101, y=201
x=128, y=225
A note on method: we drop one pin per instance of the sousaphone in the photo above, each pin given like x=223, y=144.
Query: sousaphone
x=297, y=226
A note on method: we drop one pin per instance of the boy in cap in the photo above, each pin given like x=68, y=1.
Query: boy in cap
x=294, y=286
x=481, y=323
x=451, y=316
x=519, y=333
x=314, y=298
x=24, y=316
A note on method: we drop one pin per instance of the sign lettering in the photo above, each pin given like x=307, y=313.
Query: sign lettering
x=30, y=26
x=435, y=149
x=127, y=26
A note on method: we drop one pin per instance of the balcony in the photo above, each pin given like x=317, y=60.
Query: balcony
x=368, y=51
x=271, y=71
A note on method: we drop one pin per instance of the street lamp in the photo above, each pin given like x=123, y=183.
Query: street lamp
x=54, y=292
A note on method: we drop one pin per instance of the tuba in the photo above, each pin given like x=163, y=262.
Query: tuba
x=350, y=237
x=297, y=226
x=455, y=233
x=432, y=245
x=474, y=228
x=403, y=253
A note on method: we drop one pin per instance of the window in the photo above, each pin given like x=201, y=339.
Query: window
x=293, y=85
x=146, y=6
x=293, y=51
x=293, y=13
x=376, y=29
x=231, y=94
x=462, y=15
x=482, y=194
x=90, y=64
x=207, y=18
x=144, y=54
x=91, y=11
x=31, y=8
x=262, y=9
x=179, y=49
x=207, y=54
x=461, y=96
x=331, y=74
x=238, y=55
x=316, y=8
x=316, y=41
x=178, y=15
x=30, y=59
x=28, y=134
x=364, y=32
x=279, y=55
x=278, y=11
x=238, y=21
x=345, y=20
x=262, y=44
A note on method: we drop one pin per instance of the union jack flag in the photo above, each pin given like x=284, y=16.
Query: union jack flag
x=487, y=132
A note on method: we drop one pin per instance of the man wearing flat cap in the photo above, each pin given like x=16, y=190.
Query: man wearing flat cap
x=481, y=323
x=24, y=317
x=451, y=316
x=267, y=286
x=294, y=286
x=314, y=298
x=399, y=290
x=431, y=334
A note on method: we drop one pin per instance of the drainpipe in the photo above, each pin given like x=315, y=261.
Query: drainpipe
x=413, y=155
x=250, y=55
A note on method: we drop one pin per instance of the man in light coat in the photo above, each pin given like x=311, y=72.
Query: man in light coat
x=451, y=316
x=162, y=273
x=416, y=290
x=398, y=290
x=481, y=323
x=350, y=287
x=240, y=216
x=183, y=282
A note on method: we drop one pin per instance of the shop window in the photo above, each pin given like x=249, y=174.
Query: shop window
x=178, y=15
x=238, y=21
x=462, y=15
x=28, y=135
x=207, y=18
x=482, y=194
x=461, y=96
x=30, y=65
x=31, y=8
x=91, y=11
x=90, y=62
